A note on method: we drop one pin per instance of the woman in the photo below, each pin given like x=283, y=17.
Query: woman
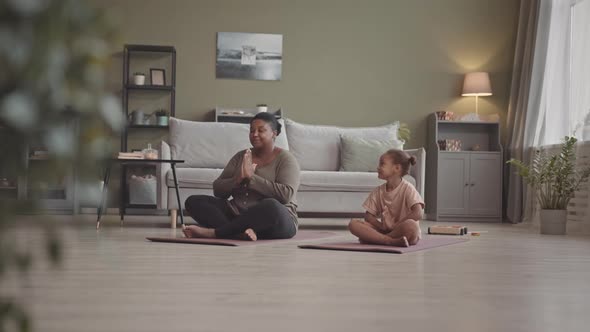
x=262, y=182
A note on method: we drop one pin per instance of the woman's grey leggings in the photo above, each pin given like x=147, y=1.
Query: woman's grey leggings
x=269, y=218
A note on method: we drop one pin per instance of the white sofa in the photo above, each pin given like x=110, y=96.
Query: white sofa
x=207, y=146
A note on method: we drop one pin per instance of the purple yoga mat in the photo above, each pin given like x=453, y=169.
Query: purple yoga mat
x=426, y=242
x=301, y=235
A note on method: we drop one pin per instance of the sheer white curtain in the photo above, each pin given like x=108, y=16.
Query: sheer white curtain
x=565, y=96
x=558, y=95
x=560, y=102
x=554, y=107
x=580, y=69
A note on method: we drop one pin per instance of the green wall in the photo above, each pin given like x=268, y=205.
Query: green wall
x=345, y=62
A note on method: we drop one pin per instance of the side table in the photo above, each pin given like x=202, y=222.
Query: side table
x=107, y=175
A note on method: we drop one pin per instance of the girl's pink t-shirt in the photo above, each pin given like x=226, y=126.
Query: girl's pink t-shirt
x=392, y=207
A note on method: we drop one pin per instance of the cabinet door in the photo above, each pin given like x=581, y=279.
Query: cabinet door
x=485, y=184
x=453, y=173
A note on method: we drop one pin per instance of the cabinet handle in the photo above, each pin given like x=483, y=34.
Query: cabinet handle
x=472, y=184
x=466, y=184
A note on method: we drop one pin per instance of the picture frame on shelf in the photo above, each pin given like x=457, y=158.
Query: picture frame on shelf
x=157, y=76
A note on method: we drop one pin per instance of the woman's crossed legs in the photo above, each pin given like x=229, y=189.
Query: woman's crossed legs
x=269, y=219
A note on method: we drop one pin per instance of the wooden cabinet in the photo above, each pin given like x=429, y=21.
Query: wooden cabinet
x=455, y=201
x=471, y=184
x=464, y=185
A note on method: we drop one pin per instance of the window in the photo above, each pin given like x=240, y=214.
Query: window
x=580, y=69
x=565, y=98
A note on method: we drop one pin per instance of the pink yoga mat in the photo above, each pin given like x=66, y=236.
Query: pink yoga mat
x=427, y=242
x=301, y=235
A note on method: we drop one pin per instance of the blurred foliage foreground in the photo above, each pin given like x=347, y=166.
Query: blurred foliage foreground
x=52, y=94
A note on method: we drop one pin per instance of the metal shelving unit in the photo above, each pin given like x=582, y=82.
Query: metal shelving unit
x=131, y=91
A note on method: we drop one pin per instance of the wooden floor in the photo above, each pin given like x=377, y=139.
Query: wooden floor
x=509, y=279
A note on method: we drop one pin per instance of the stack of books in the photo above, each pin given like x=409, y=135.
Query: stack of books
x=130, y=155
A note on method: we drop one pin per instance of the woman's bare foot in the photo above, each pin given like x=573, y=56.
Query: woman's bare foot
x=193, y=231
x=250, y=235
x=186, y=232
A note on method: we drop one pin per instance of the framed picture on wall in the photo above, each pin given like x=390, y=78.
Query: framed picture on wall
x=249, y=56
x=157, y=76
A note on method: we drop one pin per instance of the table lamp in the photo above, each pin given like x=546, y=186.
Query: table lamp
x=477, y=84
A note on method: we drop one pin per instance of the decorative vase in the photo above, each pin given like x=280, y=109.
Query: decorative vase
x=162, y=120
x=139, y=79
x=553, y=222
x=150, y=153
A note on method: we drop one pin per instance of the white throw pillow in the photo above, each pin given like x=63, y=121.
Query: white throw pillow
x=211, y=144
x=362, y=155
x=317, y=148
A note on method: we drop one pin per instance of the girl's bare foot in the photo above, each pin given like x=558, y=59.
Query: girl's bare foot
x=193, y=231
x=406, y=243
x=400, y=242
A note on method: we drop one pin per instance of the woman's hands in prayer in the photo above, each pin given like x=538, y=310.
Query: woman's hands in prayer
x=248, y=168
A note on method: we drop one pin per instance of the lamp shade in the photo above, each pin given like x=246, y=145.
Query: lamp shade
x=477, y=84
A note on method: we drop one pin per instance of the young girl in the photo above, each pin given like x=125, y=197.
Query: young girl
x=396, y=203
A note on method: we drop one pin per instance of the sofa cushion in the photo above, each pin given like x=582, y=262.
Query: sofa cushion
x=317, y=148
x=201, y=178
x=342, y=181
x=210, y=144
x=362, y=155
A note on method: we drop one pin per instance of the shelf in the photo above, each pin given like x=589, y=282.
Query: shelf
x=245, y=115
x=467, y=122
x=141, y=206
x=150, y=87
x=55, y=193
x=147, y=56
x=147, y=126
x=150, y=48
x=7, y=188
x=470, y=151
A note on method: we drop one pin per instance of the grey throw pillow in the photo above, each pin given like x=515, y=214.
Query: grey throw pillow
x=362, y=155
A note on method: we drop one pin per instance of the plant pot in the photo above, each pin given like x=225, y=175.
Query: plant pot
x=261, y=108
x=553, y=222
x=139, y=79
x=162, y=120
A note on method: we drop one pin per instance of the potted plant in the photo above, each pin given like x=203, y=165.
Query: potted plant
x=555, y=181
x=139, y=78
x=404, y=133
x=161, y=117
